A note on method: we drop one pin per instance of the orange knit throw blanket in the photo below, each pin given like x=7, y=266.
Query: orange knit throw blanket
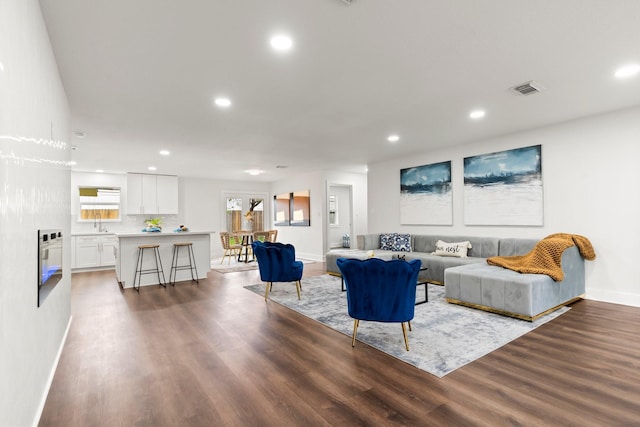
x=546, y=256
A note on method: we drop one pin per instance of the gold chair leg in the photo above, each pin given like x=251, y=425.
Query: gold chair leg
x=223, y=256
x=356, y=322
x=266, y=292
x=298, y=287
x=406, y=339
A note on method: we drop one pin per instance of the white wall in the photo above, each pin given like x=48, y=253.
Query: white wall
x=202, y=207
x=591, y=182
x=308, y=241
x=311, y=242
x=34, y=195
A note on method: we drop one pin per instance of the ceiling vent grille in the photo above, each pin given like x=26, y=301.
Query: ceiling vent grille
x=528, y=88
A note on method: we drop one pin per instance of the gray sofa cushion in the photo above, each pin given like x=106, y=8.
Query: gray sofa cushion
x=331, y=257
x=482, y=247
x=436, y=265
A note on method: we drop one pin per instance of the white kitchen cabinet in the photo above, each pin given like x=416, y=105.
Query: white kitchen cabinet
x=167, y=194
x=134, y=193
x=152, y=194
x=95, y=251
x=108, y=249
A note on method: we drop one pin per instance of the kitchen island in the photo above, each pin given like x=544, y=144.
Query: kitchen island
x=127, y=255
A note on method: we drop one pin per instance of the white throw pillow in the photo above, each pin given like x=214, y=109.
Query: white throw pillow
x=458, y=249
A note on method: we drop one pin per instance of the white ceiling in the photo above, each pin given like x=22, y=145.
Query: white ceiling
x=140, y=76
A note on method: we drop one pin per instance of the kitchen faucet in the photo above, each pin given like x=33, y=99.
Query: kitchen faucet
x=98, y=217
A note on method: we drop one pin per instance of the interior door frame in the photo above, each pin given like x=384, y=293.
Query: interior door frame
x=327, y=226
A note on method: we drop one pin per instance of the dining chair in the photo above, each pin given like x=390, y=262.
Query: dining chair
x=262, y=236
x=230, y=245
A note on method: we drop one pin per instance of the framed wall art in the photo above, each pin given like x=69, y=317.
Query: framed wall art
x=425, y=195
x=504, y=188
x=281, y=209
x=300, y=208
x=292, y=209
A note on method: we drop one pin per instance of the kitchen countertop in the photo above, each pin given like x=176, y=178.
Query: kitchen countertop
x=93, y=233
x=160, y=233
x=137, y=233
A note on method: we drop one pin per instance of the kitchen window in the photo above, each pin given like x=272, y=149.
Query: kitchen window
x=101, y=203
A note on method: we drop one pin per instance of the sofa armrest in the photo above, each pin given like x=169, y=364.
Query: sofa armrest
x=573, y=284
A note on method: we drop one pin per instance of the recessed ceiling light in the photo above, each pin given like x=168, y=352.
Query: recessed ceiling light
x=281, y=166
x=165, y=152
x=281, y=42
x=222, y=102
x=79, y=134
x=152, y=168
x=477, y=114
x=393, y=138
x=73, y=147
x=254, y=171
x=627, y=71
x=99, y=170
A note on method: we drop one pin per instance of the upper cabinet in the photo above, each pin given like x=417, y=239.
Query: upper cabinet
x=167, y=194
x=152, y=194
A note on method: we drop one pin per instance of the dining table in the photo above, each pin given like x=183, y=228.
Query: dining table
x=245, y=238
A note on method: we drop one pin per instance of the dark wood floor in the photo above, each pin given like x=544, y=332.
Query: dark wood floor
x=218, y=355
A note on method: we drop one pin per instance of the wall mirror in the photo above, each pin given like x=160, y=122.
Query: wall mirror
x=333, y=210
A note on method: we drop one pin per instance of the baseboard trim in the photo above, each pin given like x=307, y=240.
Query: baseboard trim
x=605, y=295
x=43, y=399
x=309, y=256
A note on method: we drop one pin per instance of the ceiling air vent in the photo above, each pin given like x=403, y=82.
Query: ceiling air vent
x=528, y=88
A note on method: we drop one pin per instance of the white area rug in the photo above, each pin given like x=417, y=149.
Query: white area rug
x=235, y=266
x=444, y=337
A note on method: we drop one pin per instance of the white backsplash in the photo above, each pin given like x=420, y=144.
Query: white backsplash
x=128, y=224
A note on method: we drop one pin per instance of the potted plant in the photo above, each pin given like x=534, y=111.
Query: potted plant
x=153, y=224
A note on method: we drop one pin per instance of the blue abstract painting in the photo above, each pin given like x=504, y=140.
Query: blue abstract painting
x=425, y=195
x=504, y=188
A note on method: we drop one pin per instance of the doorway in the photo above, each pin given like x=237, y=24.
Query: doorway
x=339, y=216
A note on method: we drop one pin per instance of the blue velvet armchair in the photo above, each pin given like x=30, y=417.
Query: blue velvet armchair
x=380, y=291
x=277, y=263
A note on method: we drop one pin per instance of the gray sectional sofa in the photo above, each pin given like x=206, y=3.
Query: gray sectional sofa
x=472, y=282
